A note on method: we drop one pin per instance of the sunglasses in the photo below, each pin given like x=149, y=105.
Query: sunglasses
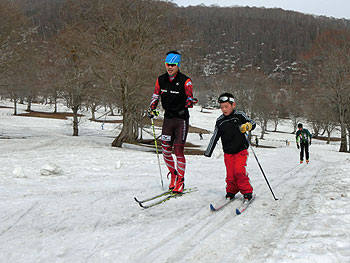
x=171, y=64
x=226, y=99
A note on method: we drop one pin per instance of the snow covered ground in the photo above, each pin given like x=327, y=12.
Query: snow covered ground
x=70, y=199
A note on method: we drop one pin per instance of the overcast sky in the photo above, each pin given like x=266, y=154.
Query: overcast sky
x=333, y=8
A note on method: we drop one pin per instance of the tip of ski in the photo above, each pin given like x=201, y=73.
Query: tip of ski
x=220, y=206
x=244, y=206
x=139, y=202
x=162, y=197
x=212, y=208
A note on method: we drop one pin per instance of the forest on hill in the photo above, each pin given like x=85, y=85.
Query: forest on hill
x=91, y=54
x=233, y=38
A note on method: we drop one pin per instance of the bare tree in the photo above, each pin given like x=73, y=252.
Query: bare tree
x=263, y=104
x=14, y=31
x=75, y=74
x=15, y=41
x=330, y=70
x=129, y=43
x=254, y=94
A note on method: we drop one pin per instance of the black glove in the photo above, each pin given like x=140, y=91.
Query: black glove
x=298, y=145
x=310, y=142
x=152, y=113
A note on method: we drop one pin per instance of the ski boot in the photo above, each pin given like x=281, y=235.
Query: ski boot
x=230, y=196
x=248, y=196
x=301, y=161
x=307, y=161
x=180, y=184
x=172, y=179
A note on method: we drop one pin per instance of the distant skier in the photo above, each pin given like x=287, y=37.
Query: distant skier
x=231, y=126
x=303, y=137
x=175, y=91
x=256, y=141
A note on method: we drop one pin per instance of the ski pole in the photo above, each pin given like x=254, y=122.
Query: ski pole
x=155, y=143
x=256, y=158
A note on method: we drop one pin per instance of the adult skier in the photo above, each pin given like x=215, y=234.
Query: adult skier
x=175, y=91
x=232, y=126
x=303, y=137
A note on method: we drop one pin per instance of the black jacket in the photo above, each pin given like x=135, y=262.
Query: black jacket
x=173, y=96
x=228, y=128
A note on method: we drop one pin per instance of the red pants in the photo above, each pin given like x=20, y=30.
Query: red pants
x=237, y=179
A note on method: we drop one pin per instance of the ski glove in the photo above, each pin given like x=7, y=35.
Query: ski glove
x=152, y=113
x=298, y=145
x=310, y=142
x=246, y=127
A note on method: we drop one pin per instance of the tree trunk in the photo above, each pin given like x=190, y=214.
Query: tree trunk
x=75, y=121
x=55, y=101
x=140, y=132
x=15, y=106
x=343, y=140
x=29, y=106
x=276, y=124
x=328, y=137
x=93, y=111
x=316, y=128
x=136, y=131
x=348, y=132
x=111, y=109
x=263, y=123
x=126, y=135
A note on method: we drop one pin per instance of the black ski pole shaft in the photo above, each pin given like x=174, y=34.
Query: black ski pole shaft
x=256, y=158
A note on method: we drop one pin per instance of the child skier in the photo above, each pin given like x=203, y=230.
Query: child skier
x=303, y=136
x=231, y=126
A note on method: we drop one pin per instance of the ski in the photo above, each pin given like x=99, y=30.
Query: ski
x=166, y=196
x=220, y=205
x=153, y=197
x=172, y=195
x=244, y=205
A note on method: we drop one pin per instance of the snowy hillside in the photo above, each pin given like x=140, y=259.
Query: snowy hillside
x=71, y=199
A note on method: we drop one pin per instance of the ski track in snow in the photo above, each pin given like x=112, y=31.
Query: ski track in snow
x=87, y=213
x=19, y=219
x=186, y=243
x=187, y=237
